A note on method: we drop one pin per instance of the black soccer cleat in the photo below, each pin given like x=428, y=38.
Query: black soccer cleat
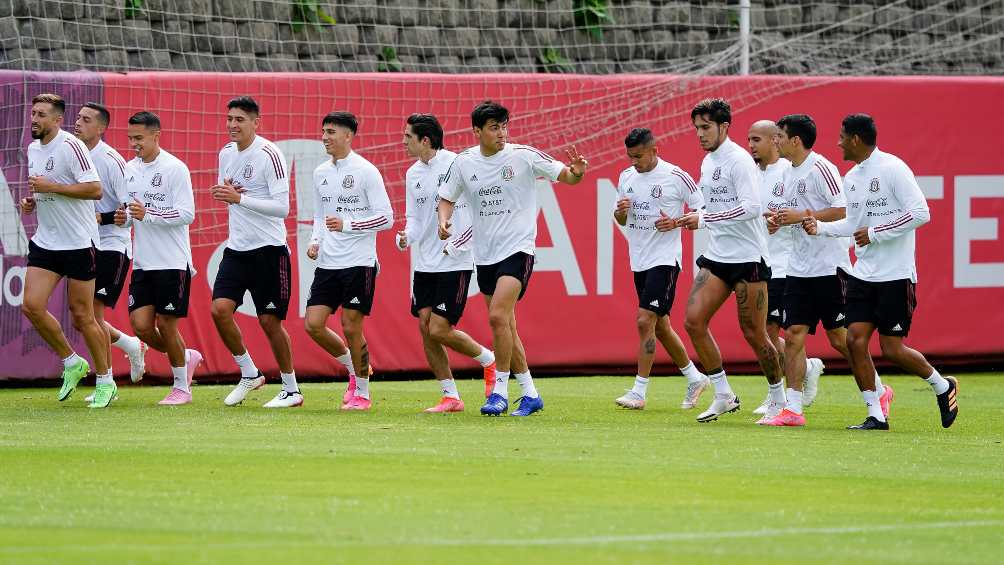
x=948, y=403
x=870, y=423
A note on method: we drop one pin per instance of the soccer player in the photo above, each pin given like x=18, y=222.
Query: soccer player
x=115, y=246
x=351, y=206
x=499, y=179
x=650, y=194
x=442, y=272
x=736, y=258
x=253, y=183
x=63, y=181
x=161, y=208
x=885, y=208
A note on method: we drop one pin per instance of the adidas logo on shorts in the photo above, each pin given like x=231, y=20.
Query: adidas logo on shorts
x=355, y=300
x=778, y=313
x=441, y=307
x=897, y=328
x=840, y=316
x=271, y=305
x=654, y=303
x=103, y=292
x=169, y=307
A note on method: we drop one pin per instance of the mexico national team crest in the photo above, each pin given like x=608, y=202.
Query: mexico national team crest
x=507, y=173
x=778, y=190
x=801, y=186
x=248, y=171
x=50, y=164
x=157, y=180
x=717, y=174
x=348, y=182
x=874, y=186
x=657, y=191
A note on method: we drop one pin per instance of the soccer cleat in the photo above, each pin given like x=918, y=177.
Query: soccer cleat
x=495, y=405
x=948, y=403
x=528, y=405
x=870, y=423
x=90, y=397
x=813, y=370
x=242, y=389
x=694, y=391
x=137, y=363
x=764, y=406
x=285, y=400
x=631, y=400
x=446, y=404
x=785, y=418
x=489, y=374
x=773, y=411
x=357, y=403
x=886, y=400
x=723, y=404
x=176, y=397
x=350, y=390
x=71, y=378
x=103, y=395
x=192, y=361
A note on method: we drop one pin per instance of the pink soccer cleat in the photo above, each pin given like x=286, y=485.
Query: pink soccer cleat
x=192, y=361
x=357, y=403
x=350, y=391
x=176, y=397
x=886, y=400
x=785, y=418
x=446, y=404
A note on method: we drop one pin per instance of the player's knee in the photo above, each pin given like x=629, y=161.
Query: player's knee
x=313, y=327
x=32, y=311
x=694, y=325
x=270, y=324
x=498, y=320
x=220, y=312
x=646, y=322
x=754, y=336
x=891, y=349
x=82, y=317
x=439, y=330
x=855, y=342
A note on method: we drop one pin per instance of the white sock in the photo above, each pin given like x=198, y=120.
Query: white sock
x=937, y=382
x=105, y=379
x=640, y=386
x=526, y=384
x=180, y=378
x=794, y=402
x=346, y=361
x=501, y=383
x=721, y=383
x=363, y=387
x=872, y=402
x=72, y=360
x=127, y=343
x=449, y=388
x=776, y=392
x=692, y=374
x=486, y=357
x=248, y=369
x=289, y=382
x=879, y=387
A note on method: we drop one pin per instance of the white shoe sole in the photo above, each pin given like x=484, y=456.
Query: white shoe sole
x=235, y=401
x=710, y=416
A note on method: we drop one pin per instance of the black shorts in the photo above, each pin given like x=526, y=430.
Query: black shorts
x=445, y=293
x=113, y=266
x=656, y=288
x=775, y=300
x=810, y=300
x=351, y=287
x=518, y=265
x=77, y=264
x=733, y=273
x=263, y=271
x=889, y=305
x=165, y=289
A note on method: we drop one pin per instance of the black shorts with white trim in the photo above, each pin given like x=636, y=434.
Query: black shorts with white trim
x=445, y=293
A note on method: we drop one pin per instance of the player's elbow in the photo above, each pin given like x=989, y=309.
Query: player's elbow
x=93, y=191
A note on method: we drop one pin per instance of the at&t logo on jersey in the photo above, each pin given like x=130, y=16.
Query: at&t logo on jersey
x=874, y=187
x=248, y=171
x=778, y=189
x=507, y=173
x=157, y=180
x=348, y=182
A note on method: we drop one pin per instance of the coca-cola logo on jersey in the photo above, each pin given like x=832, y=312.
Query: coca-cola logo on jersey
x=778, y=189
x=507, y=173
x=157, y=180
x=50, y=164
x=874, y=186
x=158, y=196
x=248, y=171
x=490, y=191
x=717, y=174
x=801, y=186
x=353, y=199
x=348, y=182
x=657, y=191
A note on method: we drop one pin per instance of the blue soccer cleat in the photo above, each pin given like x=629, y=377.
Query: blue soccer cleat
x=495, y=405
x=528, y=406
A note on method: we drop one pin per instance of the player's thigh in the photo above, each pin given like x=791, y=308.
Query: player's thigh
x=316, y=317
x=80, y=297
x=352, y=321
x=142, y=319
x=706, y=296
x=751, y=305
x=38, y=286
x=507, y=292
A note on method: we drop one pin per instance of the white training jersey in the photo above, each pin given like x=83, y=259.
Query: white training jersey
x=817, y=186
x=261, y=171
x=164, y=187
x=776, y=195
x=730, y=183
x=353, y=190
x=666, y=188
x=883, y=195
x=503, y=192
x=422, y=219
x=111, y=169
x=63, y=222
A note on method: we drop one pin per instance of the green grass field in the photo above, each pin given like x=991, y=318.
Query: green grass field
x=583, y=482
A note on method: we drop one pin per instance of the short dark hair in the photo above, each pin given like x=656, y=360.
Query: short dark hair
x=489, y=110
x=245, y=103
x=103, y=114
x=148, y=119
x=717, y=110
x=54, y=99
x=426, y=125
x=345, y=119
x=638, y=136
x=863, y=126
x=801, y=126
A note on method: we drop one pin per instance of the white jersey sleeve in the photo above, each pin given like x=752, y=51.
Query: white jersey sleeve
x=915, y=209
x=381, y=214
x=744, y=179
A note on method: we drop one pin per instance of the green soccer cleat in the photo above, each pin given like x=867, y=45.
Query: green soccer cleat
x=103, y=395
x=71, y=378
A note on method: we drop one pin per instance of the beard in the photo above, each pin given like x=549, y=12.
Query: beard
x=38, y=134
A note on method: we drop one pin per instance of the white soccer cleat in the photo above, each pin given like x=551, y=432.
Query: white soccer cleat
x=137, y=363
x=694, y=391
x=285, y=400
x=631, y=400
x=242, y=389
x=773, y=411
x=764, y=406
x=723, y=404
x=813, y=370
